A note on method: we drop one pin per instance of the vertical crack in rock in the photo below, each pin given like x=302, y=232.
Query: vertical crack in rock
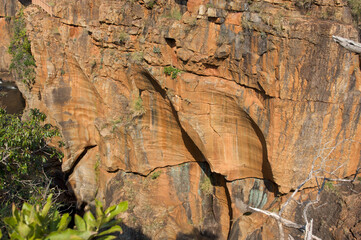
x=220, y=180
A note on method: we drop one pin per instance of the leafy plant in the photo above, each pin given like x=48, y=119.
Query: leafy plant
x=123, y=37
x=23, y=150
x=329, y=186
x=22, y=62
x=355, y=6
x=138, y=107
x=172, y=71
x=206, y=185
x=156, y=50
x=155, y=175
x=137, y=57
x=31, y=222
x=150, y=4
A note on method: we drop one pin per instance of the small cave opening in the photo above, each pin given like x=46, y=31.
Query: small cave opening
x=11, y=99
x=25, y=2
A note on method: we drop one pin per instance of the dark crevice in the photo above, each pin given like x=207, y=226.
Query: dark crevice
x=260, y=91
x=80, y=157
x=171, y=42
x=25, y=2
x=221, y=181
x=153, y=170
x=211, y=66
x=73, y=25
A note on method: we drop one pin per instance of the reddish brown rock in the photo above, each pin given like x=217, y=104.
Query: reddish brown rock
x=262, y=89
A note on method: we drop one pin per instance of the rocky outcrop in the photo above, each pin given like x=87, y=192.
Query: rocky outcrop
x=262, y=89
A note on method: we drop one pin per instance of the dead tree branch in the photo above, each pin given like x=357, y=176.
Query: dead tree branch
x=348, y=44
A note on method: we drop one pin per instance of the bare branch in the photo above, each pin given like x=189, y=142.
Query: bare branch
x=295, y=192
x=280, y=229
x=308, y=234
x=348, y=44
x=284, y=221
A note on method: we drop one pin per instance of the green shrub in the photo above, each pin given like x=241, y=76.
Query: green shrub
x=156, y=50
x=137, y=57
x=172, y=71
x=22, y=62
x=206, y=185
x=155, y=175
x=150, y=4
x=329, y=186
x=31, y=222
x=355, y=6
x=123, y=37
x=138, y=107
x=23, y=151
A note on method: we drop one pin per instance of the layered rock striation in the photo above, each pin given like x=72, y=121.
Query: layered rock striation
x=262, y=93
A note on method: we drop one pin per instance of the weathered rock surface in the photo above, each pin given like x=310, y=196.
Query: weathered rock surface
x=263, y=87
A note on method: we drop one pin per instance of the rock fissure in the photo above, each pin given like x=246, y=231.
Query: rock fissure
x=72, y=25
x=152, y=171
x=77, y=161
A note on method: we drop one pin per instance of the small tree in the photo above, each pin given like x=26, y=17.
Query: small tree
x=24, y=148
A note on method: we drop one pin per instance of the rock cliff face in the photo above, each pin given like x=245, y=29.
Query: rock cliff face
x=262, y=89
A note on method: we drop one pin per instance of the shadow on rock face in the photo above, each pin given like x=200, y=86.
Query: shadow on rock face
x=25, y=2
x=197, y=234
x=132, y=233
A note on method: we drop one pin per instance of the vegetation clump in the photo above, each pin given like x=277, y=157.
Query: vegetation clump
x=155, y=175
x=355, y=6
x=138, y=107
x=137, y=57
x=31, y=222
x=150, y=4
x=172, y=71
x=206, y=185
x=24, y=148
x=23, y=62
x=123, y=37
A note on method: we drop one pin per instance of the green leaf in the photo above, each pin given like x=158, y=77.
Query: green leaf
x=121, y=207
x=23, y=229
x=80, y=223
x=98, y=208
x=111, y=223
x=111, y=230
x=64, y=222
x=47, y=206
x=109, y=209
x=106, y=237
x=69, y=234
x=10, y=221
x=90, y=221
